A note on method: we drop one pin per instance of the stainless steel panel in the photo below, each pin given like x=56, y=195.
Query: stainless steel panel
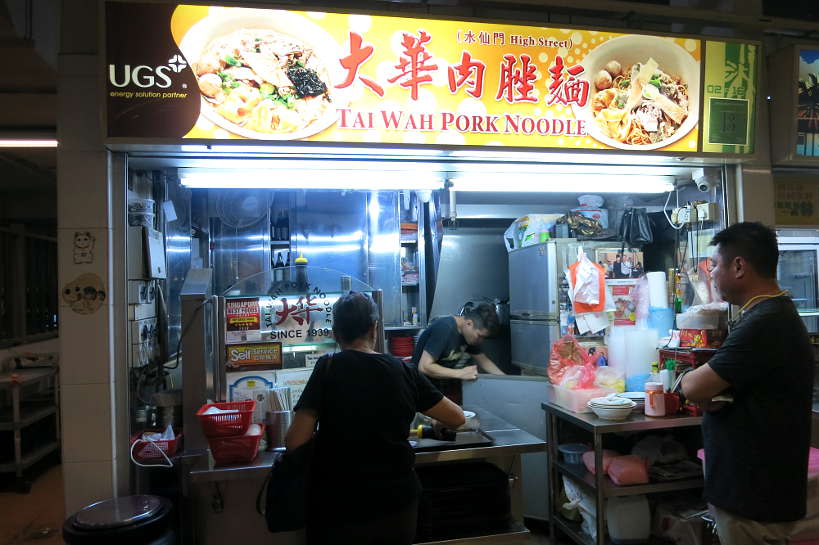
x=533, y=278
x=517, y=400
x=178, y=252
x=199, y=364
x=330, y=228
x=473, y=267
x=532, y=342
x=383, y=252
x=240, y=235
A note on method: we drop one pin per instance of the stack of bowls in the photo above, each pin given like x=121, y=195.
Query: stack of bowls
x=612, y=407
x=637, y=397
x=401, y=347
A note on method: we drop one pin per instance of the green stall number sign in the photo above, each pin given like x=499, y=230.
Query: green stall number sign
x=729, y=121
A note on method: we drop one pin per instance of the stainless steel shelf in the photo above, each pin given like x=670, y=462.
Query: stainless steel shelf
x=635, y=422
x=30, y=458
x=517, y=531
x=28, y=416
x=611, y=490
x=572, y=529
x=403, y=328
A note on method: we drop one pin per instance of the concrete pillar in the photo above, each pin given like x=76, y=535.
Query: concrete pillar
x=88, y=375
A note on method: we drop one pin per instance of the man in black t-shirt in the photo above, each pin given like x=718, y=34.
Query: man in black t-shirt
x=444, y=349
x=757, y=431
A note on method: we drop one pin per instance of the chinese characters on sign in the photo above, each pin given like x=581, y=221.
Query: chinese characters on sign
x=284, y=317
x=796, y=202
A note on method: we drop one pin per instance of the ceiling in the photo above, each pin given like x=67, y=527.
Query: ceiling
x=28, y=92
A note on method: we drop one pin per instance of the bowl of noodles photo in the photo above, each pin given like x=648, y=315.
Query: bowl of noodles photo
x=265, y=74
x=644, y=92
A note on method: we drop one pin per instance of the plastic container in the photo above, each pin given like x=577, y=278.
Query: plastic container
x=150, y=450
x=655, y=399
x=240, y=449
x=577, y=400
x=628, y=519
x=573, y=452
x=141, y=205
x=226, y=424
x=140, y=219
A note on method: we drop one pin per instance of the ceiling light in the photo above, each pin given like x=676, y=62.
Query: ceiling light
x=308, y=179
x=565, y=183
x=27, y=143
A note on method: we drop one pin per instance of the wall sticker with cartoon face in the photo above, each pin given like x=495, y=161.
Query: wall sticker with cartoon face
x=83, y=247
x=84, y=294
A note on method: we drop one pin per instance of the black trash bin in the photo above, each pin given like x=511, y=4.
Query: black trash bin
x=129, y=520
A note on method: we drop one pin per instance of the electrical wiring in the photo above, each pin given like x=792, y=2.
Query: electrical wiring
x=185, y=331
x=665, y=212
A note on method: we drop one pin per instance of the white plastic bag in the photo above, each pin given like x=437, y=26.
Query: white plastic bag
x=587, y=283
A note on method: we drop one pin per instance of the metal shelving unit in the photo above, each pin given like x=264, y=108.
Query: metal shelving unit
x=599, y=484
x=20, y=415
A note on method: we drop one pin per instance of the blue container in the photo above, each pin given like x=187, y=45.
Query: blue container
x=661, y=320
x=637, y=383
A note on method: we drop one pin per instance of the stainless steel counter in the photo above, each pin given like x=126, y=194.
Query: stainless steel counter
x=509, y=441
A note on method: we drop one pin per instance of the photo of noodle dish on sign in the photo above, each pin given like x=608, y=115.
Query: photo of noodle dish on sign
x=265, y=74
x=644, y=92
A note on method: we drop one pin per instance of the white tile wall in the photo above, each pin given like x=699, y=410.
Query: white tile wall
x=80, y=113
x=86, y=482
x=83, y=198
x=85, y=347
x=86, y=415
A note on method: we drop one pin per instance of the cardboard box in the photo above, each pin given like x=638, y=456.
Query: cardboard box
x=701, y=338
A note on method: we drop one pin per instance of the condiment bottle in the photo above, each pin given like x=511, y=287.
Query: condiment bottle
x=301, y=273
x=655, y=399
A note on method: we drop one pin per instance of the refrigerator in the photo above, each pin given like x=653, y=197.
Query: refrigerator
x=534, y=311
x=538, y=297
x=798, y=272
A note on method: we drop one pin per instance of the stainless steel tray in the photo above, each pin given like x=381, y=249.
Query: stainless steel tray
x=463, y=439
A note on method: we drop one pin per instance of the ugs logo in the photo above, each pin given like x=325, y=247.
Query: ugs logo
x=145, y=76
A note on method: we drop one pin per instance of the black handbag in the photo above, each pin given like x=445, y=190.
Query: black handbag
x=285, y=491
x=635, y=228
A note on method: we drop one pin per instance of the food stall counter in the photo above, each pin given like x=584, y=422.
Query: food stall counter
x=508, y=441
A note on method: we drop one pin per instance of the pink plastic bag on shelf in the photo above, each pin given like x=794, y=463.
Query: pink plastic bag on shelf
x=629, y=469
x=608, y=456
x=566, y=353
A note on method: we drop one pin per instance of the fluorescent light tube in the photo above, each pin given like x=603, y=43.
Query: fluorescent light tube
x=27, y=143
x=564, y=183
x=306, y=179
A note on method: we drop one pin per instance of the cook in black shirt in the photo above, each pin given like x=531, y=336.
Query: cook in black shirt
x=363, y=486
x=756, y=444
x=444, y=349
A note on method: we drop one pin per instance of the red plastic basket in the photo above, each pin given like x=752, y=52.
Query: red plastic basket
x=150, y=450
x=241, y=449
x=226, y=425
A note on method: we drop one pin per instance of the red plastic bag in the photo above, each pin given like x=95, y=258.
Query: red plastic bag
x=608, y=456
x=629, y=469
x=566, y=353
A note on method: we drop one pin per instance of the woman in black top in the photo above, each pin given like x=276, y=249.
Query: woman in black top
x=363, y=490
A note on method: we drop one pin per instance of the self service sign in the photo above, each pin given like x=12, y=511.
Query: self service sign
x=226, y=73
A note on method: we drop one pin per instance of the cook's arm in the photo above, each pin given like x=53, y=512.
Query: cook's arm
x=447, y=413
x=702, y=384
x=302, y=428
x=486, y=364
x=429, y=367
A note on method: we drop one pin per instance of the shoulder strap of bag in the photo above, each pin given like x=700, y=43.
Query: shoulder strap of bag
x=262, y=495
